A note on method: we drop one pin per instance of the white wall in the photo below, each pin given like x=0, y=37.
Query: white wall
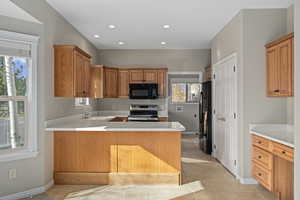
x=246, y=35
x=297, y=100
x=38, y=171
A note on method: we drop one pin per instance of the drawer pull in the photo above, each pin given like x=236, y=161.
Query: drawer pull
x=283, y=152
x=259, y=157
x=259, y=142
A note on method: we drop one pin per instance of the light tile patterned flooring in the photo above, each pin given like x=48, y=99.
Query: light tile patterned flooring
x=219, y=184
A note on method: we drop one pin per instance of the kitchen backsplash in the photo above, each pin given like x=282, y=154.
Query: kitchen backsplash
x=123, y=104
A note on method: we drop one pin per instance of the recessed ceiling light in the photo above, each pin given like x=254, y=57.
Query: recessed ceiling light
x=120, y=43
x=163, y=43
x=96, y=36
x=111, y=26
x=166, y=26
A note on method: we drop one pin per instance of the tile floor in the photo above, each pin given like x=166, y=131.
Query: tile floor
x=218, y=183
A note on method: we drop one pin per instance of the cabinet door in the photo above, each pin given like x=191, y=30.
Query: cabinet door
x=161, y=79
x=96, y=85
x=79, y=74
x=283, y=179
x=136, y=76
x=86, y=78
x=123, y=80
x=150, y=76
x=111, y=83
x=272, y=72
x=285, y=68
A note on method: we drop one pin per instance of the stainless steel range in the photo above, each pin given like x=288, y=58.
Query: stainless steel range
x=144, y=113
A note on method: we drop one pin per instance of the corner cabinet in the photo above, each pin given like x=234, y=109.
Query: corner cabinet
x=97, y=79
x=123, y=83
x=280, y=67
x=72, y=71
x=110, y=82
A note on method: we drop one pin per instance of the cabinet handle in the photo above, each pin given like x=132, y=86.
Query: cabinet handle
x=259, y=157
x=259, y=142
x=276, y=91
x=259, y=174
x=283, y=152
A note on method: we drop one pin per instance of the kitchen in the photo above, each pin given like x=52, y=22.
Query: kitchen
x=104, y=103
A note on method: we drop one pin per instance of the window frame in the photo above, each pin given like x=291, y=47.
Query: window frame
x=31, y=141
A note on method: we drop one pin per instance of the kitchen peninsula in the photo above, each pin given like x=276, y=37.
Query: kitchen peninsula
x=99, y=150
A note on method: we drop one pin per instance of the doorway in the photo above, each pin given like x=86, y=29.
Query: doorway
x=225, y=109
x=183, y=103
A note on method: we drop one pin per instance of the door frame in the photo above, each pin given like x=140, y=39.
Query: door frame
x=235, y=134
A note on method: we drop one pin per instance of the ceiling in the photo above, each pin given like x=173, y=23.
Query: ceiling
x=9, y=9
x=139, y=23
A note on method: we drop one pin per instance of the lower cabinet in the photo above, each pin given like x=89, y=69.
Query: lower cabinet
x=273, y=167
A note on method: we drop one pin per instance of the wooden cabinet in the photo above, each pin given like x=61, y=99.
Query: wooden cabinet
x=123, y=83
x=272, y=166
x=162, y=82
x=110, y=82
x=71, y=71
x=97, y=80
x=136, y=76
x=84, y=152
x=150, y=76
x=280, y=67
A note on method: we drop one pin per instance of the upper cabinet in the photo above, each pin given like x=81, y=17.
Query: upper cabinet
x=162, y=82
x=150, y=76
x=110, y=82
x=280, y=67
x=136, y=75
x=123, y=83
x=72, y=71
x=97, y=79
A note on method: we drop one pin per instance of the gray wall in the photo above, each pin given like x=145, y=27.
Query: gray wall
x=260, y=27
x=290, y=100
x=247, y=34
x=297, y=100
x=174, y=60
x=38, y=171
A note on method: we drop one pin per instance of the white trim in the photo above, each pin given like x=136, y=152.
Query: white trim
x=31, y=108
x=18, y=155
x=189, y=132
x=28, y=193
x=199, y=73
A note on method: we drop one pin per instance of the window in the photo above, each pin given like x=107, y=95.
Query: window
x=185, y=92
x=18, y=99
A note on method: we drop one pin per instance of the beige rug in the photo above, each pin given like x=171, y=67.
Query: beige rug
x=138, y=192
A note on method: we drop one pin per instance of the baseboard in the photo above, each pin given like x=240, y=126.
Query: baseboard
x=28, y=193
x=248, y=181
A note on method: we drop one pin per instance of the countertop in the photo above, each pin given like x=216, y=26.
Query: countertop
x=102, y=123
x=281, y=133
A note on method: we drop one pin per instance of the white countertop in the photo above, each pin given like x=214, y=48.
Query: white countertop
x=102, y=123
x=281, y=133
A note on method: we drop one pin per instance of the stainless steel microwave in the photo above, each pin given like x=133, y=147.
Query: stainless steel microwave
x=143, y=91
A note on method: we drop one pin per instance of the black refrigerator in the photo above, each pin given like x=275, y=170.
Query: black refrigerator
x=205, y=136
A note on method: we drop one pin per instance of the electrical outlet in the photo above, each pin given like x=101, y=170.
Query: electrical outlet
x=12, y=173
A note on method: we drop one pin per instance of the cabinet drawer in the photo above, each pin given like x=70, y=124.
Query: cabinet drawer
x=262, y=157
x=283, y=151
x=263, y=176
x=262, y=143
